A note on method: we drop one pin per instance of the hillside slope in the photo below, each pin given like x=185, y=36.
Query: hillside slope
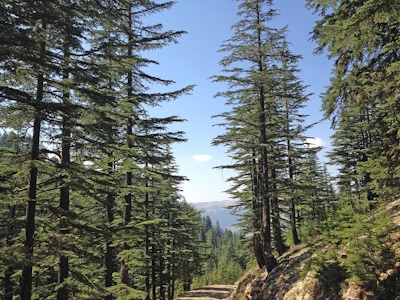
x=294, y=280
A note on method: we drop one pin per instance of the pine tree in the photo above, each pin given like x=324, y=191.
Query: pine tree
x=23, y=41
x=11, y=211
x=264, y=130
x=361, y=36
x=254, y=43
x=81, y=104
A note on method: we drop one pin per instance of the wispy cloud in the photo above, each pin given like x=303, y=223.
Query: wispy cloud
x=314, y=142
x=202, y=157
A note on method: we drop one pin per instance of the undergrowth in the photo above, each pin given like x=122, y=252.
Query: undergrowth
x=357, y=247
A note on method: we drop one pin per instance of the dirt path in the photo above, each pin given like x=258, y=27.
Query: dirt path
x=208, y=292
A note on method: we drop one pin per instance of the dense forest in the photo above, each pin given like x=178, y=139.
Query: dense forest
x=90, y=203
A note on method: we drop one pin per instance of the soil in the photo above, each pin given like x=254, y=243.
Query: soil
x=208, y=292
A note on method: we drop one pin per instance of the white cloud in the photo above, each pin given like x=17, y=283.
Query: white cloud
x=202, y=157
x=314, y=142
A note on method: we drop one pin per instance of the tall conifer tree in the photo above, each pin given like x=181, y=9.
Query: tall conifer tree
x=362, y=37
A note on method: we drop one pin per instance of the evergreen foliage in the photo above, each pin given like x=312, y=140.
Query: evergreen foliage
x=362, y=102
x=90, y=206
x=265, y=134
x=363, y=37
x=226, y=255
x=74, y=90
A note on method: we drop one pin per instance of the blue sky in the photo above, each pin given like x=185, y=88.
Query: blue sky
x=195, y=59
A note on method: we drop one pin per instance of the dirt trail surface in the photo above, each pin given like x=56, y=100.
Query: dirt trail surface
x=208, y=292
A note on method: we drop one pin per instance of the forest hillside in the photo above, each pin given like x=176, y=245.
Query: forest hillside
x=365, y=265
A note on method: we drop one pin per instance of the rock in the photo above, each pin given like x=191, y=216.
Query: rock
x=355, y=292
x=306, y=289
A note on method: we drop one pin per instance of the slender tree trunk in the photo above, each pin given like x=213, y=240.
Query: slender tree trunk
x=63, y=264
x=298, y=219
x=153, y=258
x=173, y=282
x=128, y=176
x=147, y=246
x=173, y=273
x=257, y=242
x=292, y=207
x=8, y=286
x=109, y=259
x=153, y=273
x=276, y=220
x=169, y=276
x=368, y=140
x=160, y=272
x=264, y=186
x=26, y=279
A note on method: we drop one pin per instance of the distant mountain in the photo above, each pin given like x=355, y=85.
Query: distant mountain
x=217, y=211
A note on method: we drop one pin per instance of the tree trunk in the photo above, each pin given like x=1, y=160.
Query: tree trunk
x=63, y=265
x=172, y=292
x=153, y=273
x=257, y=242
x=147, y=246
x=109, y=268
x=26, y=279
x=8, y=286
x=264, y=186
x=169, y=297
x=160, y=272
x=109, y=261
x=128, y=176
x=292, y=207
x=276, y=220
x=127, y=218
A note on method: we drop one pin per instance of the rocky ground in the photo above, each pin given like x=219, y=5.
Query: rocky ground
x=289, y=282
x=208, y=292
